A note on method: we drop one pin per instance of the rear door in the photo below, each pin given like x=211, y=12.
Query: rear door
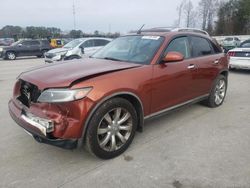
x=172, y=82
x=34, y=48
x=207, y=59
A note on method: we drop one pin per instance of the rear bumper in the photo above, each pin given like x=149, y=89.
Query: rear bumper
x=239, y=63
x=37, y=130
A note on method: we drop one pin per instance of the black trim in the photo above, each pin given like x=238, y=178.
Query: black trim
x=66, y=144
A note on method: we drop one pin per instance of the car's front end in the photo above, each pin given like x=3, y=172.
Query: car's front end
x=1, y=52
x=49, y=103
x=53, y=116
x=55, y=55
x=239, y=58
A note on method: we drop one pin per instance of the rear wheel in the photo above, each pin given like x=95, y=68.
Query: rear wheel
x=11, y=55
x=218, y=92
x=111, y=128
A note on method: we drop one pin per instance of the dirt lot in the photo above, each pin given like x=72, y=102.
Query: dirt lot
x=193, y=147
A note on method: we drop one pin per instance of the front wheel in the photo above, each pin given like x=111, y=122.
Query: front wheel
x=43, y=54
x=111, y=128
x=218, y=92
x=10, y=55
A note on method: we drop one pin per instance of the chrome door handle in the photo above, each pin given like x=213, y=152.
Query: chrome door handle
x=192, y=66
x=216, y=61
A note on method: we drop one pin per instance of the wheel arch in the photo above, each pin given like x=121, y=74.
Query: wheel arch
x=13, y=51
x=224, y=73
x=131, y=97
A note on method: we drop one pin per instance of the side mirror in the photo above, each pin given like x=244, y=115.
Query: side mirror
x=82, y=49
x=173, y=57
x=20, y=44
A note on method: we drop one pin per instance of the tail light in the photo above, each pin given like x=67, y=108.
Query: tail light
x=231, y=54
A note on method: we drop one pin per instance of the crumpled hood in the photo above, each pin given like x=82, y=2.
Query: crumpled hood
x=58, y=50
x=62, y=74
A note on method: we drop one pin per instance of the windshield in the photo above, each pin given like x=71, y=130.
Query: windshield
x=136, y=49
x=16, y=43
x=229, y=39
x=73, y=43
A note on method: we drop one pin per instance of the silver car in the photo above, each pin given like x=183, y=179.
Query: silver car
x=240, y=57
x=76, y=49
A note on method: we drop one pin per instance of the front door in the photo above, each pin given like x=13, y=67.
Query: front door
x=172, y=82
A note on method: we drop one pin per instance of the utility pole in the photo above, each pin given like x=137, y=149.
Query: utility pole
x=74, y=14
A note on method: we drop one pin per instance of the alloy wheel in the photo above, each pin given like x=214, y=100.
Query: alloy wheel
x=11, y=56
x=220, y=91
x=114, y=129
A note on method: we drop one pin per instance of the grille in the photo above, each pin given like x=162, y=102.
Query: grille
x=28, y=93
x=242, y=54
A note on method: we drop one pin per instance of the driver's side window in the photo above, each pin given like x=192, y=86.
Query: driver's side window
x=180, y=45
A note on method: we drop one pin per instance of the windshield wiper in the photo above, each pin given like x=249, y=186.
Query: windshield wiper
x=112, y=59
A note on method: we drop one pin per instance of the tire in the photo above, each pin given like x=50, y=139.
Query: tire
x=10, y=55
x=72, y=57
x=106, y=138
x=43, y=52
x=218, y=92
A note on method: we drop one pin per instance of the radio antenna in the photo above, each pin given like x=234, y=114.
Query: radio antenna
x=139, y=31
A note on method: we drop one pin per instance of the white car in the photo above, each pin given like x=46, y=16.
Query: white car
x=76, y=49
x=240, y=57
x=231, y=42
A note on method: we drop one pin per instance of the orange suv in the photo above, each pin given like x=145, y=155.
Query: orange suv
x=101, y=101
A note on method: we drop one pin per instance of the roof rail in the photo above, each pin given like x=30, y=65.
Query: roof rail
x=191, y=30
x=169, y=29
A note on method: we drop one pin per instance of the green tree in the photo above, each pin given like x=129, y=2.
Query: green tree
x=76, y=33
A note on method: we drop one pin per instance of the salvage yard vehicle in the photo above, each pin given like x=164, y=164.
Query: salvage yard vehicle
x=240, y=57
x=28, y=47
x=76, y=49
x=230, y=42
x=103, y=100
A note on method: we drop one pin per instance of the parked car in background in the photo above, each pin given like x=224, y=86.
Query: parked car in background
x=230, y=43
x=240, y=57
x=245, y=44
x=28, y=47
x=76, y=49
x=56, y=43
x=101, y=101
x=6, y=41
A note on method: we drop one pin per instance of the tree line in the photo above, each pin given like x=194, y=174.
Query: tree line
x=217, y=17
x=17, y=32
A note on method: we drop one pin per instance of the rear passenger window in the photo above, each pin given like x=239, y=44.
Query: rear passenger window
x=180, y=45
x=101, y=42
x=34, y=43
x=200, y=47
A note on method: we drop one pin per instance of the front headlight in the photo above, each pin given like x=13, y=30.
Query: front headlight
x=63, y=95
x=1, y=49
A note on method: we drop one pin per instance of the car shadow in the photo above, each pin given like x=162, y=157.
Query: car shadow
x=239, y=71
x=21, y=58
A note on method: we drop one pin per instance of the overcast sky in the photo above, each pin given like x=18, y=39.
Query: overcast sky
x=102, y=15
